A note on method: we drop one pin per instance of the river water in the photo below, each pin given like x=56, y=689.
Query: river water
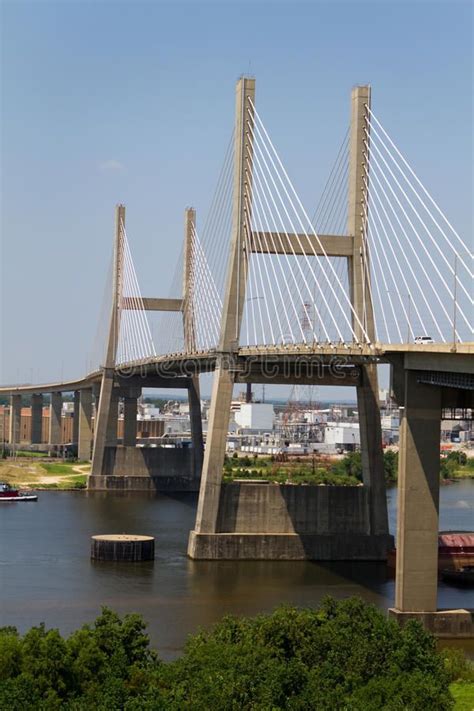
x=46, y=574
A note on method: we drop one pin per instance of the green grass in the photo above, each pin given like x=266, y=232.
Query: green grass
x=26, y=453
x=463, y=695
x=61, y=468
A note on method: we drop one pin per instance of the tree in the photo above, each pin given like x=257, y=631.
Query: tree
x=342, y=655
x=457, y=456
x=95, y=664
x=390, y=464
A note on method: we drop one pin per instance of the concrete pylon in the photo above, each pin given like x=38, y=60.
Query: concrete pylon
x=189, y=327
x=36, y=418
x=108, y=401
x=363, y=322
x=223, y=383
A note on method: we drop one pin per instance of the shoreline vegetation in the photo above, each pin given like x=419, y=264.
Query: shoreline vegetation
x=33, y=470
x=342, y=655
x=331, y=471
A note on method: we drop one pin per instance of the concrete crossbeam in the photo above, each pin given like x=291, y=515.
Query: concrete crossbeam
x=149, y=303
x=284, y=243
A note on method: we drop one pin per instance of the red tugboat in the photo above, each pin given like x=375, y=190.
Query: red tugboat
x=8, y=493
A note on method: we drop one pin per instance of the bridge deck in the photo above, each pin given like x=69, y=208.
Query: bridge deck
x=433, y=356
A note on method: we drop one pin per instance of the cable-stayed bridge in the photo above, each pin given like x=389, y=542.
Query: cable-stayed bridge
x=264, y=292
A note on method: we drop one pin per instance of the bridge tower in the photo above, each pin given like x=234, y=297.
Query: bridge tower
x=224, y=376
x=107, y=411
x=361, y=298
x=149, y=468
x=222, y=529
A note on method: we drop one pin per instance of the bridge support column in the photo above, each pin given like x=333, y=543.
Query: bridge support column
x=105, y=422
x=418, y=498
x=55, y=412
x=214, y=453
x=15, y=419
x=112, y=419
x=130, y=407
x=371, y=450
x=194, y=399
x=416, y=585
x=36, y=418
x=85, y=425
x=75, y=417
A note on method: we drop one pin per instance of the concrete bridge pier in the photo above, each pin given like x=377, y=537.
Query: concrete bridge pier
x=130, y=409
x=85, y=425
x=15, y=419
x=55, y=424
x=36, y=418
x=194, y=400
x=416, y=587
x=112, y=419
x=75, y=420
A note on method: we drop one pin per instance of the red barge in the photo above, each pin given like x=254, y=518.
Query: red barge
x=455, y=551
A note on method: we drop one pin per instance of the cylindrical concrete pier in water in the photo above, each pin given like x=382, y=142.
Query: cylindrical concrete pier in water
x=123, y=547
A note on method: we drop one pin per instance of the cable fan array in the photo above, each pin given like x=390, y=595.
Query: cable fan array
x=202, y=317
x=134, y=338
x=169, y=333
x=196, y=328
x=421, y=269
x=215, y=235
x=296, y=292
x=418, y=273
x=209, y=255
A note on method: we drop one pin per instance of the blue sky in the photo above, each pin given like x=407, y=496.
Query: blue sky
x=133, y=101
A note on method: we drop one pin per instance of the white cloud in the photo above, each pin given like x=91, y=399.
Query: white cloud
x=111, y=166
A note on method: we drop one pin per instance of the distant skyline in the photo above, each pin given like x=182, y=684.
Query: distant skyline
x=132, y=102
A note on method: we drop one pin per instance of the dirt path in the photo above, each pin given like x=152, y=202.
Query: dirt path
x=82, y=469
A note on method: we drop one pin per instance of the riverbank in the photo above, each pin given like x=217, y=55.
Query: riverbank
x=44, y=474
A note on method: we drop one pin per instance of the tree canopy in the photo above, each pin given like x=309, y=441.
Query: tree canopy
x=342, y=655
